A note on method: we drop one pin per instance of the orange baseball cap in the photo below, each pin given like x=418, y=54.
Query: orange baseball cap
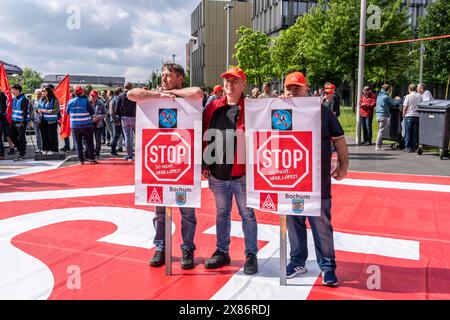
x=296, y=78
x=330, y=88
x=94, y=93
x=217, y=88
x=234, y=72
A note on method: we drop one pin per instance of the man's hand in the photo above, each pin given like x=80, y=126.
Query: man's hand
x=205, y=173
x=339, y=174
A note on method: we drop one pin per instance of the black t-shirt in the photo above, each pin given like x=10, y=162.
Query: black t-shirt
x=3, y=103
x=330, y=128
x=224, y=119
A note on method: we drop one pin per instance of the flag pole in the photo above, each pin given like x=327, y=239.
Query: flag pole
x=283, y=251
x=168, y=241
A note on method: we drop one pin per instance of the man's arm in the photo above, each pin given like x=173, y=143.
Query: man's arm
x=24, y=106
x=138, y=95
x=192, y=92
x=343, y=156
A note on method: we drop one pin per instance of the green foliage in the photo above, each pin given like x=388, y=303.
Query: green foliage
x=253, y=56
x=437, y=54
x=29, y=79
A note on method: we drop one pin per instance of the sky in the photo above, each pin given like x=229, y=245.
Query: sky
x=95, y=37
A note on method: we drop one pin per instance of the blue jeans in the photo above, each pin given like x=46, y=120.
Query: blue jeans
x=323, y=238
x=128, y=127
x=223, y=192
x=367, y=129
x=411, y=132
x=188, y=224
x=37, y=132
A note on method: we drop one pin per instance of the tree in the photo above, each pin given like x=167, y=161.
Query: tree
x=29, y=79
x=253, y=56
x=154, y=80
x=437, y=59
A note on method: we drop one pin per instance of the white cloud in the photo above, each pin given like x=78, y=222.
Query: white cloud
x=117, y=38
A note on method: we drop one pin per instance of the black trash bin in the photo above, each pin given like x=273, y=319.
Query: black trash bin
x=434, y=125
x=394, y=129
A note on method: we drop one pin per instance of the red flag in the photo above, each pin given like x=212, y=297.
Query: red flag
x=62, y=92
x=4, y=85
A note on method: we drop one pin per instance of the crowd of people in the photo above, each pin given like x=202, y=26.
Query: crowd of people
x=383, y=105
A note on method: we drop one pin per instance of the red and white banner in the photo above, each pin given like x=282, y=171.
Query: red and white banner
x=284, y=155
x=62, y=92
x=168, y=153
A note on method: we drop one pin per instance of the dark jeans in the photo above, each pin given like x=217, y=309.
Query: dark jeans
x=98, y=140
x=117, y=133
x=188, y=225
x=18, y=137
x=412, y=132
x=88, y=135
x=49, y=133
x=322, y=231
x=367, y=129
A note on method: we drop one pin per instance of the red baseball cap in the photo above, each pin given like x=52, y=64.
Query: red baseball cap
x=78, y=90
x=217, y=88
x=296, y=78
x=94, y=93
x=234, y=72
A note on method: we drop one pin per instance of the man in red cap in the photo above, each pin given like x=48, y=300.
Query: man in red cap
x=224, y=166
x=217, y=94
x=331, y=99
x=332, y=132
x=99, y=115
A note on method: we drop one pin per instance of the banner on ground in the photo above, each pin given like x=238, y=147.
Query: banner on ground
x=168, y=153
x=4, y=85
x=62, y=92
x=284, y=155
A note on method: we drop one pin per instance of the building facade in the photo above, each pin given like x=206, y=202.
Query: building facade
x=86, y=80
x=207, y=47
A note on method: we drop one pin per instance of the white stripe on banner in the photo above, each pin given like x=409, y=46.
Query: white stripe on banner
x=88, y=192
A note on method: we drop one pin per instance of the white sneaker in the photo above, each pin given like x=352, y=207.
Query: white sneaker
x=379, y=149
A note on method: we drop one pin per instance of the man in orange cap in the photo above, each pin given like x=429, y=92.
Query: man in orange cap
x=331, y=99
x=224, y=166
x=217, y=94
x=295, y=86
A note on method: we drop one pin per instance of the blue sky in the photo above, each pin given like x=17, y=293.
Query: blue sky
x=116, y=37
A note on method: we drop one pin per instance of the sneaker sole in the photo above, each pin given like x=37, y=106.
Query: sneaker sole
x=218, y=267
x=187, y=267
x=329, y=284
x=156, y=265
x=296, y=273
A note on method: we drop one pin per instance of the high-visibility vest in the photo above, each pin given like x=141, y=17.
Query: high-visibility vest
x=17, y=113
x=48, y=106
x=79, y=114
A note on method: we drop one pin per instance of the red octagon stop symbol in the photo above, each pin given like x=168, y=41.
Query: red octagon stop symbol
x=167, y=158
x=282, y=162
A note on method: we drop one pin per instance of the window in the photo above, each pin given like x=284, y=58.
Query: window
x=285, y=14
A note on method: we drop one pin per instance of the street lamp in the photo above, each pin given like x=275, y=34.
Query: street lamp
x=362, y=52
x=228, y=8
x=173, y=58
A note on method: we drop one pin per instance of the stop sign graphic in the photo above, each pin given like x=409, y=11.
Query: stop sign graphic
x=168, y=157
x=283, y=161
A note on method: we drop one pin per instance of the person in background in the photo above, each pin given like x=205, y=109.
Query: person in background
x=108, y=123
x=81, y=113
x=255, y=93
x=20, y=119
x=49, y=110
x=426, y=95
x=115, y=119
x=36, y=119
x=382, y=111
x=99, y=115
x=331, y=99
x=267, y=93
x=411, y=117
x=217, y=94
x=368, y=102
x=126, y=110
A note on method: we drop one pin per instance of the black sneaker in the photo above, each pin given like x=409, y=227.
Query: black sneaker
x=120, y=149
x=114, y=154
x=11, y=151
x=251, y=264
x=218, y=260
x=19, y=158
x=158, y=260
x=187, y=259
